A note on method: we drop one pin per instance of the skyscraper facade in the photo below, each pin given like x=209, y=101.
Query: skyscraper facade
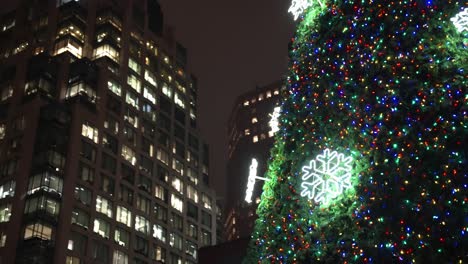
x=101, y=160
x=251, y=129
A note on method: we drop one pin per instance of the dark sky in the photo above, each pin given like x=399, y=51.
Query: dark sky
x=232, y=45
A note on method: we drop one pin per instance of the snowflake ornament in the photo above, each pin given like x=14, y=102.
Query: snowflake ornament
x=299, y=6
x=461, y=20
x=326, y=177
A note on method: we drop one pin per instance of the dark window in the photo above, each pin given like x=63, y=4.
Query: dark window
x=163, y=139
x=109, y=163
x=126, y=194
x=177, y=222
x=206, y=218
x=88, y=151
x=86, y=173
x=192, y=210
x=129, y=134
x=179, y=132
x=180, y=150
x=193, y=141
x=143, y=204
x=100, y=252
x=160, y=213
x=141, y=245
x=179, y=116
x=164, y=122
x=109, y=142
x=146, y=165
x=165, y=105
x=78, y=243
x=163, y=174
x=144, y=183
x=83, y=195
x=147, y=128
x=80, y=218
x=107, y=184
x=113, y=104
x=128, y=173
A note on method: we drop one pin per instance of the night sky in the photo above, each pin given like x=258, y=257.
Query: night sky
x=232, y=47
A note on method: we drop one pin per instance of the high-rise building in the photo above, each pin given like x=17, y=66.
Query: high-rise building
x=251, y=129
x=100, y=156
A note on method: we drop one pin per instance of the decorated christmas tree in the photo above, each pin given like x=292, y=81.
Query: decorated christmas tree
x=370, y=162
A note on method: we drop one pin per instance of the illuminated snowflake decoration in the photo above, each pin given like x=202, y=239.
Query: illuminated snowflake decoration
x=299, y=6
x=326, y=177
x=461, y=20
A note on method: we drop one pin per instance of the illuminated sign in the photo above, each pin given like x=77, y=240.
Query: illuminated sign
x=274, y=124
x=251, y=180
x=326, y=176
x=461, y=20
x=299, y=6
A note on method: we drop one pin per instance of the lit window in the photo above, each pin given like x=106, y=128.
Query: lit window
x=72, y=260
x=90, y=132
x=7, y=189
x=120, y=257
x=163, y=156
x=159, y=232
x=2, y=131
x=131, y=118
x=80, y=88
x=8, y=24
x=134, y=82
x=246, y=103
x=70, y=29
x=159, y=254
x=70, y=45
x=149, y=94
x=149, y=77
x=142, y=225
x=166, y=90
x=276, y=92
x=178, y=185
x=178, y=166
x=271, y=133
x=206, y=200
x=260, y=97
x=45, y=181
x=131, y=99
x=268, y=94
x=103, y=206
x=179, y=100
x=22, y=46
x=134, y=65
x=192, y=175
x=192, y=193
x=5, y=213
x=6, y=92
x=3, y=238
x=101, y=227
x=253, y=100
x=83, y=195
x=254, y=120
x=255, y=139
x=38, y=230
x=106, y=51
x=177, y=203
x=129, y=154
x=160, y=192
x=247, y=132
x=262, y=136
x=124, y=216
x=114, y=87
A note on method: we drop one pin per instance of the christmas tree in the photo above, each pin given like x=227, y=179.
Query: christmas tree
x=370, y=162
